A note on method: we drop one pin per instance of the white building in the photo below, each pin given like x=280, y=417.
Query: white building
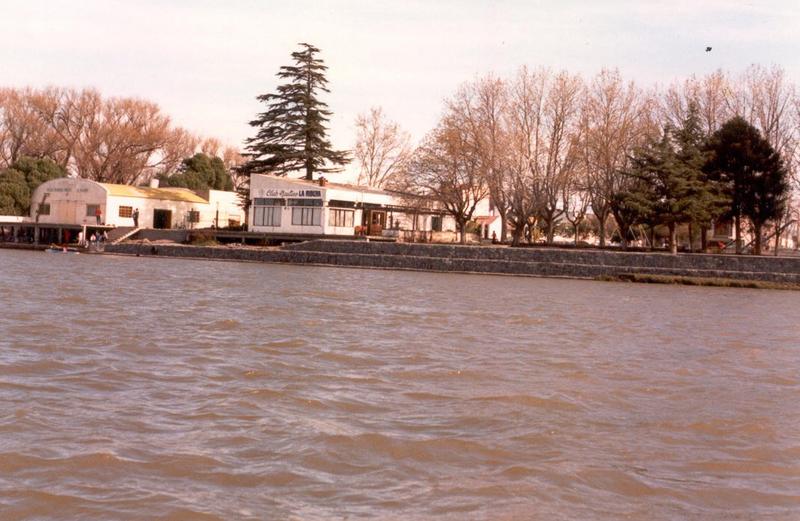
x=70, y=200
x=298, y=206
x=488, y=218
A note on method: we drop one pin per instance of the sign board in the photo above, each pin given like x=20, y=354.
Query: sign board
x=275, y=192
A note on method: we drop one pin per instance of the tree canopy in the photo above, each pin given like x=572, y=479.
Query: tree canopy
x=200, y=172
x=751, y=174
x=292, y=133
x=18, y=182
x=670, y=188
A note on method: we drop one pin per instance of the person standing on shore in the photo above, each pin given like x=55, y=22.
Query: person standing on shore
x=135, y=217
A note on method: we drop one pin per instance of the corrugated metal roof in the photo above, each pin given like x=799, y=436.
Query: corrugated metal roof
x=167, y=194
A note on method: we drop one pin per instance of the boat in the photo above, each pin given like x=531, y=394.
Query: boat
x=53, y=249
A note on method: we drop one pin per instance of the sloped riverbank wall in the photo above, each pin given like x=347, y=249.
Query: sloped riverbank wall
x=543, y=262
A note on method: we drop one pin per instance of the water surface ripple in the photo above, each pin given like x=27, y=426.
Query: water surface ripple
x=172, y=389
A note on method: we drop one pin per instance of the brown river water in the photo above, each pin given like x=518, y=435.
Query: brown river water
x=135, y=388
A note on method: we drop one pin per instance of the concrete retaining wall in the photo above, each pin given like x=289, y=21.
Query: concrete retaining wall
x=562, y=255
x=162, y=235
x=534, y=262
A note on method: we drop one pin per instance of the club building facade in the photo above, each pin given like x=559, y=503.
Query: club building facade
x=298, y=206
x=77, y=201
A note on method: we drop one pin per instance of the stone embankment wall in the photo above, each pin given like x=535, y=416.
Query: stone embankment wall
x=545, y=262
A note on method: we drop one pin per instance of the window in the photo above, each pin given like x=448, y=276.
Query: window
x=193, y=216
x=340, y=218
x=267, y=211
x=304, y=202
x=307, y=216
x=258, y=201
x=267, y=216
x=126, y=211
x=91, y=209
x=436, y=223
x=44, y=208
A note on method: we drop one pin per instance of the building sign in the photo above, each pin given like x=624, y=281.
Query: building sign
x=66, y=190
x=274, y=192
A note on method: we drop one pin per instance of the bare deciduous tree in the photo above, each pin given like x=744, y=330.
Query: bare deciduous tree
x=616, y=118
x=560, y=154
x=481, y=107
x=24, y=132
x=447, y=168
x=524, y=118
x=118, y=140
x=382, y=149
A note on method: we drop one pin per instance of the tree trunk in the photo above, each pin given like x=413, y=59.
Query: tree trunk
x=757, y=243
x=516, y=236
x=601, y=222
x=691, y=238
x=576, y=226
x=737, y=224
x=778, y=231
x=503, y=227
x=462, y=231
x=704, y=239
x=623, y=238
x=551, y=231
x=673, y=238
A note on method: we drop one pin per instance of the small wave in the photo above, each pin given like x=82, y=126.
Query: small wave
x=228, y=324
x=188, y=514
x=616, y=481
x=549, y=403
x=427, y=396
x=71, y=299
x=349, y=360
x=37, y=368
x=517, y=472
x=267, y=393
x=435, y=449
x=286, y=343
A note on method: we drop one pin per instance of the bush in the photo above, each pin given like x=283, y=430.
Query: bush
x=203, y=238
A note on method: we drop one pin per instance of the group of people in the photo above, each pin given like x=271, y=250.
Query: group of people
x=94, y=240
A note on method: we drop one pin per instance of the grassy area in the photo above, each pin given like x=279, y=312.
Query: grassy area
x=698, y=281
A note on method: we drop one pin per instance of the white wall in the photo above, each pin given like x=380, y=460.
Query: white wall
x=223, y=207
x=180, y=211
x=263, y=186
x=68, y=198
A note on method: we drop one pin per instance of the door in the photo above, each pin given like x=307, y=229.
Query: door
x=377, y=222
x=162, y=219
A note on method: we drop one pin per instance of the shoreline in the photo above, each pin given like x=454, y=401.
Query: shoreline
x=686, y=269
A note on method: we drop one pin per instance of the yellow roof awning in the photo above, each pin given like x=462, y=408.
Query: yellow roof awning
x=167, y=194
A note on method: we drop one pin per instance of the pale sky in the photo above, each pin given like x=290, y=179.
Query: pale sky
x=204, y=61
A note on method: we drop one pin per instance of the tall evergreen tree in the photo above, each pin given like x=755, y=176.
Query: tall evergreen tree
x=707, y=202
x=672, y=190
x=292, y=131
x=752, y=174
